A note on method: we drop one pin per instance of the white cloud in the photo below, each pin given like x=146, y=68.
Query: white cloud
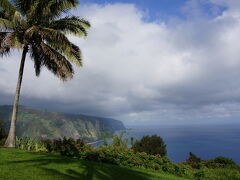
x=142, y=72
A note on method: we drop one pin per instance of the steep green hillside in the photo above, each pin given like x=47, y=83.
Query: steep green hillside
x=48, y=124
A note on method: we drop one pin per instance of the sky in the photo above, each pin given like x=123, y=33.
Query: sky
x=145, y=62
x=153, y=8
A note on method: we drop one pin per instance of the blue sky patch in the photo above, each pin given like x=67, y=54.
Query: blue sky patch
x=165, y=9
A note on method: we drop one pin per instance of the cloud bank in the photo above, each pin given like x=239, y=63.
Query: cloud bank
x=159, y=72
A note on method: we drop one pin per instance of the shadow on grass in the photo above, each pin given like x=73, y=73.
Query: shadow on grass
x=69, y=168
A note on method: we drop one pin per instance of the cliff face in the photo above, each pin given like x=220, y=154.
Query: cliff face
x=48, y=124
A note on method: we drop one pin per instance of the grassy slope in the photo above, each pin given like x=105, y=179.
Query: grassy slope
x=22, y=165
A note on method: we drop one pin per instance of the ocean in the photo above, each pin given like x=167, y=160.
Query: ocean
x=206, y=141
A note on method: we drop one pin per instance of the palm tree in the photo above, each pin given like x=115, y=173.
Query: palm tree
x=38, y=27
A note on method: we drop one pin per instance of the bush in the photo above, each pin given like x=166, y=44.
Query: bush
x=216, y=163
x=128, y=158
x=221, y=162
x=224, y=161
x=66, y=147
x=118, y=140
x=222, y=174
x=193, y=158
x=153, y=145
x=30, y=144
x=194, y=161
x=200, y=174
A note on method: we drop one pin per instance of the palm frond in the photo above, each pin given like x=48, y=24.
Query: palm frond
x=10, y=25
x=7, y=6
x=23, y=6
x=35, y=11
x=63, y=4
x=38, y=58
x=73, y=25
x=4, y=46
x=68, y=49
x=45, y=34
x=8, y=41
x=49, y=33
x=62, y=67
x=44, y=55
x=6, y=25
x=57, y=40
x=15, y=40
x=46, y=10
x=73, y=53
x=18, y=18
x=8, y=11
x=60, y=42
x=54, y=8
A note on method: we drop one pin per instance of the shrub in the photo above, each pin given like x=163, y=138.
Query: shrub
x=223, y=174
x=200, y=174
x=105, y=135
x=66, y=147
x=30, y=144
x=119, y=141
x=194, y=161
x=221, y=162
x=153, y=145
x=193, y=158
x=128, y=158
x=224, y=160
x=216, y=163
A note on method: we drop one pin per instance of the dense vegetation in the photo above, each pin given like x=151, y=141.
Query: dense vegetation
x=25, y=165
x=48, y=124
x=151, y=145
x=218, y=162
x=118, y=154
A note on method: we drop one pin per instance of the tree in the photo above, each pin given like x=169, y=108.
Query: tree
x=151, y=145
x=194, y=161
x=39, y=28
x=118, y=140
x=193, y=158
x=105, y=135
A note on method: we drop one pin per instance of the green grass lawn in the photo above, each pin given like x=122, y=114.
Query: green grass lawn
x=24, y=165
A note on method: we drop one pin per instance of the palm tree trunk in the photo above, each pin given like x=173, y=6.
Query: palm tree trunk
x=11, y=139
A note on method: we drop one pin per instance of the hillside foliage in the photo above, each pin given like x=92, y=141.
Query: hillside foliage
x=36, y=123
x=219, y=168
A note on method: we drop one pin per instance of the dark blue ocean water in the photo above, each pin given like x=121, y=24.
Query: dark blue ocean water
x=205, y=141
